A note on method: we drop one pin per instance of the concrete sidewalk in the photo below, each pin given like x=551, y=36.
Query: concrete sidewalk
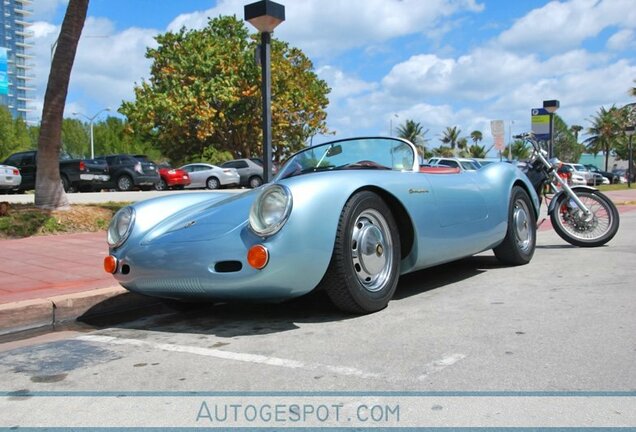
x=46, y=280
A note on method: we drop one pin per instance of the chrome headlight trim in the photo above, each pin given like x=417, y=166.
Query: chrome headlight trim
x=270, y=210
x=120, y=226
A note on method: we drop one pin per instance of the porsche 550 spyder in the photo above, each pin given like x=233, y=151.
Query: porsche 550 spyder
x=348, y=216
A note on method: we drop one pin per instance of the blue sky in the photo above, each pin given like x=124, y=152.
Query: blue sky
x=439, y=62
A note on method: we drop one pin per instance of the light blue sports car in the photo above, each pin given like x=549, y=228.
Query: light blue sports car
x=348, y=216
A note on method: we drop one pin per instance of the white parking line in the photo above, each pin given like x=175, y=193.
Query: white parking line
x=228, y=355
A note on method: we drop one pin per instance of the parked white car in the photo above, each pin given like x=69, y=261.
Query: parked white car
x=580, y=170
x=462, y=164
x=209, y=176
x=10, y=178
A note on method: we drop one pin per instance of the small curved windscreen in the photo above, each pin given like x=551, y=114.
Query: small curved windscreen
x=357, y=153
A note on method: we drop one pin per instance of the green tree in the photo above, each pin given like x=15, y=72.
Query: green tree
x=566, y=147
x=575, y=130
x=605, y=130
x=204, y=91
x=75, y=138
x=49, y=193
x=520, y=150
x=476, y=136
x=14, y=134
x=476, y=151
x=450, y=136
x=414, y=132
x=443, y=151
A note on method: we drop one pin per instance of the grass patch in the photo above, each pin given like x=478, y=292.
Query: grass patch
x=613, y=187
x=25, y=220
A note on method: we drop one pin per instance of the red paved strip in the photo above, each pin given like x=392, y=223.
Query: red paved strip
x=43, y=266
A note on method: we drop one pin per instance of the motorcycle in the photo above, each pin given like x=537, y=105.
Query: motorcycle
x=581, y=215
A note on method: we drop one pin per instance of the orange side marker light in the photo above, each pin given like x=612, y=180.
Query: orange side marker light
x=110, y=264
x=258, y=256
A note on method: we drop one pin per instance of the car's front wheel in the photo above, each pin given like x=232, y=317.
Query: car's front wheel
x=518, y=246
x=364, y=268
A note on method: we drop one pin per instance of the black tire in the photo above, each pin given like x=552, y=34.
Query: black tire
x=66, y=184
x=161, y=185
x=125, y=183
x=570, y=226
x=212, y=183
x=357, y=282
x=517, y=248
x=254, y=182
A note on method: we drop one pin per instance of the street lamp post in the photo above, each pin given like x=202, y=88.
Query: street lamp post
x=90, y=121
x=391, y=123
x=629, y=131
x=265, y=15
x=551, y=106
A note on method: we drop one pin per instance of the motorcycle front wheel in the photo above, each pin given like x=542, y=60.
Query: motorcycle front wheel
x=579, y=229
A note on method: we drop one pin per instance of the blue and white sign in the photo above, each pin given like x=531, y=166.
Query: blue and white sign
x=540, y=121
x=4, y=76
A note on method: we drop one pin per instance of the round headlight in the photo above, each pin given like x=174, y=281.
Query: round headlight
x=120, y=226
x=270, y=210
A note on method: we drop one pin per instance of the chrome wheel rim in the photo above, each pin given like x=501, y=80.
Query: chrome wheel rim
x=372, y=250
x=213, y=184
x=521, y=224
x=581, y=226
x=124, y=183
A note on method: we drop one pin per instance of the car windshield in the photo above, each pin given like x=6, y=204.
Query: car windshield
x=357, y=153
x=469, y=166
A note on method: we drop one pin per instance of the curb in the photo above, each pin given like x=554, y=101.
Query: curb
x=52, y=311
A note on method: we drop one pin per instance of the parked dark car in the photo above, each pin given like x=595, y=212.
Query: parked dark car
x=613, y=178
x=128, y=172
x=75, y=174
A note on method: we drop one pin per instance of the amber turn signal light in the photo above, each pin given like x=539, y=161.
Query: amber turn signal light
x=110, y=264
x=258, y=256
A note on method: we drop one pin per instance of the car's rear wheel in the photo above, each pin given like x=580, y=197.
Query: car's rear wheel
x=212, y=183
x=364, y=268
x=124, y=183
x=161, y=185
x=518, y=246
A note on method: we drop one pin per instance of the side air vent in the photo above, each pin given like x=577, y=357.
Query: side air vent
x=228, y=266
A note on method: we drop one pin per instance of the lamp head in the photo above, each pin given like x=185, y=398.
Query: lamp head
x=265, y=15
x=629, y=130
x=551, y=105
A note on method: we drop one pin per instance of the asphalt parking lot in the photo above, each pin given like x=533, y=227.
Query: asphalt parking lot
x=563, y=323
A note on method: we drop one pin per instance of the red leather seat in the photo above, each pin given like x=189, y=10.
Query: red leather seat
x=439, y=170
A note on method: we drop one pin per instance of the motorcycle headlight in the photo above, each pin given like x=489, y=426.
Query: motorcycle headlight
x=120, y=226
x=270, y=210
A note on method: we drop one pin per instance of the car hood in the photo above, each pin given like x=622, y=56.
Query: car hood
x=203, y=221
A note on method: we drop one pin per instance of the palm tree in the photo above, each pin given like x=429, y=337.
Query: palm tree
x=49, y=193
x=476, y=151
x=443, y=151
x=414, y=132
x=575, y=130
x=520, y=150
x=450, y=136
x=632, y=91
x=476, y=136
x=606, y=126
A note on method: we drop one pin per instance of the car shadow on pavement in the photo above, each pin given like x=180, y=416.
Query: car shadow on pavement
x=246, y=319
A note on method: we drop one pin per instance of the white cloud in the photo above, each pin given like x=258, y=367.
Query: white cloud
x=621, y=40
x=560, y=26
x=325, y=27
x=107, y=63
x=44, y=10
x=342, y=85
